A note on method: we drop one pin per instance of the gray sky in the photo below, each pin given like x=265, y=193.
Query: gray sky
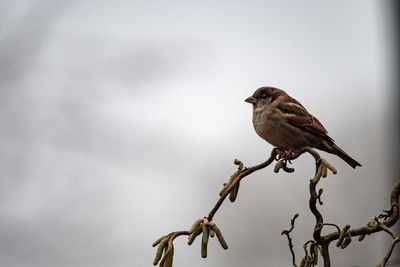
x=120, y=121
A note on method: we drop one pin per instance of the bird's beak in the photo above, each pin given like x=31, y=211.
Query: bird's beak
x=251, y=100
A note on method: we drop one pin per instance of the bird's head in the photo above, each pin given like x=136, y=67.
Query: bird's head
x=264, y=96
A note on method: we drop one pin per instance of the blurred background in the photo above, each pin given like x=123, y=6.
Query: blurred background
x=121, y=120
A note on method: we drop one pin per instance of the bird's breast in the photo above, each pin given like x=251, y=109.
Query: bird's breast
x=270, y=125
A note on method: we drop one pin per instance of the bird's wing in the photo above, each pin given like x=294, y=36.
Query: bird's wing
x=298, y=116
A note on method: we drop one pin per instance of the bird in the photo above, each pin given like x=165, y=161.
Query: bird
x=283, y=122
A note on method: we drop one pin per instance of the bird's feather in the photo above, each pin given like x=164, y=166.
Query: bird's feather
x=298, y=116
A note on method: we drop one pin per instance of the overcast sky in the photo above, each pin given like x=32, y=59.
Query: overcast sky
x=120, y=121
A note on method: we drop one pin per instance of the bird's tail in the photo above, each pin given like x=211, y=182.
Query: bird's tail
x=330, y=147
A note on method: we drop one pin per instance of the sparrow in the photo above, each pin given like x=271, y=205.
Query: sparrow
x=283, y=122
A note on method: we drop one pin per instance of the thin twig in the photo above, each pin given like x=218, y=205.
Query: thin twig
x=287, y=233
x=395, y=240
x=170, y=246
x=243, y=174
x=334, y=225
x=313, y=207
x=389, y=253
x=389, y=222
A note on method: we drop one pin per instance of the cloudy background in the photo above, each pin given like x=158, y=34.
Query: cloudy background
x=120, y=121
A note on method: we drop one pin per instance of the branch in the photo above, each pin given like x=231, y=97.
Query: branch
x=208, y=228
x=166, y=247
x=322, y=167
x=390, y=220
x=287, y=233
x=344, y=236
x=395, y=237
x=239, y=176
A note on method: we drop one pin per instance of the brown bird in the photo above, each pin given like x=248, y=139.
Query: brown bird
x=284, y=123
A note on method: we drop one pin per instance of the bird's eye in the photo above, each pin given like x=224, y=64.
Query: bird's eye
x=263, y=96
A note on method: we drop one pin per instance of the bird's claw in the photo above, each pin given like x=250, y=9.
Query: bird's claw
x=283, y=157
x=287, y=156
